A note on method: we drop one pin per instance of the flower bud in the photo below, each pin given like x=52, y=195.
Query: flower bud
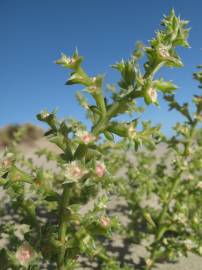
x=44, y=115
x=70, y=62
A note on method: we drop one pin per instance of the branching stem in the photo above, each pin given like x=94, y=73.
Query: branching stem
x=160, y=233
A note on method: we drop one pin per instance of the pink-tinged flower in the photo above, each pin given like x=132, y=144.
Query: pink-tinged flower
x=152, y=94
x=74, y=171
x=163, y=52
x=85, y=136
x=25, y=254
x=72, y=60
x=190, y=177
x=100, y=169
x=68, y=62
x=104, y=221
x=6, y=162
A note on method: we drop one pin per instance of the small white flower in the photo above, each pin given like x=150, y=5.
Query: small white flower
x=100, y=169
x=152, y=94
x=74, y=171
x=25, y=254
x=85, y=136
x=163, y=52
x=44, y=115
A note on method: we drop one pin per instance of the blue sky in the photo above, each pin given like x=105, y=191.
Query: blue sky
x=34, y=32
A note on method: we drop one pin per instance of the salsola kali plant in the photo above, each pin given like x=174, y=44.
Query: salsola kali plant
x=44, y=219
x=178, y=222
x=162, y=188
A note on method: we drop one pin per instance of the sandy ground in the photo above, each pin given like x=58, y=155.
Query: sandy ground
x=124, y=251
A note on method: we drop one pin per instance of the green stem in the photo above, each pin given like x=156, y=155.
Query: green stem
x=151, y=72
x=68, y=150
x=100, y=126
x=63, y=226
x=113, y=110
x=159, y=233
x=115, y=107
x=168, y=201
x=81, y=150
x=118, y=104
x=99, y=98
